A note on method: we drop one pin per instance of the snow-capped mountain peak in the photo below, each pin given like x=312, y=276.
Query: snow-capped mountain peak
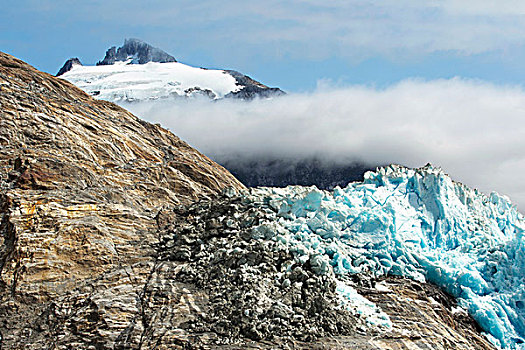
x=138, y=71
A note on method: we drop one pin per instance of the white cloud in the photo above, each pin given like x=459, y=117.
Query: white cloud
x=483, y=7
x=474, y=130
x=313, y=29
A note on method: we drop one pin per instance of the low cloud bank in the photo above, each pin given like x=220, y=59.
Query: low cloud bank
x=474, y=130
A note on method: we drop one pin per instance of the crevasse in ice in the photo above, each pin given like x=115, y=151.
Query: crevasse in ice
x=416, y=223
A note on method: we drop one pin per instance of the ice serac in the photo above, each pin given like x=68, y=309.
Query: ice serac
x=136, y=51
x=419, y=224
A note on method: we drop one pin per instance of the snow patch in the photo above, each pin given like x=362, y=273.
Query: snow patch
x=359, y=305
x=380, y=287
x=458, y=310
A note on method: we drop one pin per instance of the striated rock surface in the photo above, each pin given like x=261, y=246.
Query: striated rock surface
x=81, y=184
x=114, y=234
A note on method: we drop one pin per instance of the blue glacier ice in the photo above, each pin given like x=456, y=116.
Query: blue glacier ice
x=416, y=223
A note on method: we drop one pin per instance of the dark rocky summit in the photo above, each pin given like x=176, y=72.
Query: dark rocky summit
x=137, y=50
x=252, y=88
x=69, y=65
x=115, y=234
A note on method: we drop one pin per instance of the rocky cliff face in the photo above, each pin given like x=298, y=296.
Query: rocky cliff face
x=82, y=182
x=113, y=235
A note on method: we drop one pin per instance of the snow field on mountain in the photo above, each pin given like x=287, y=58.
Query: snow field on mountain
x=130, y=82
x=416, y=223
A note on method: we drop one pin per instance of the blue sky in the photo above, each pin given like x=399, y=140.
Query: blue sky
x=292, y=44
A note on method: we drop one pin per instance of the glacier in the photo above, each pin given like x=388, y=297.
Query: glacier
x=416, y=223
